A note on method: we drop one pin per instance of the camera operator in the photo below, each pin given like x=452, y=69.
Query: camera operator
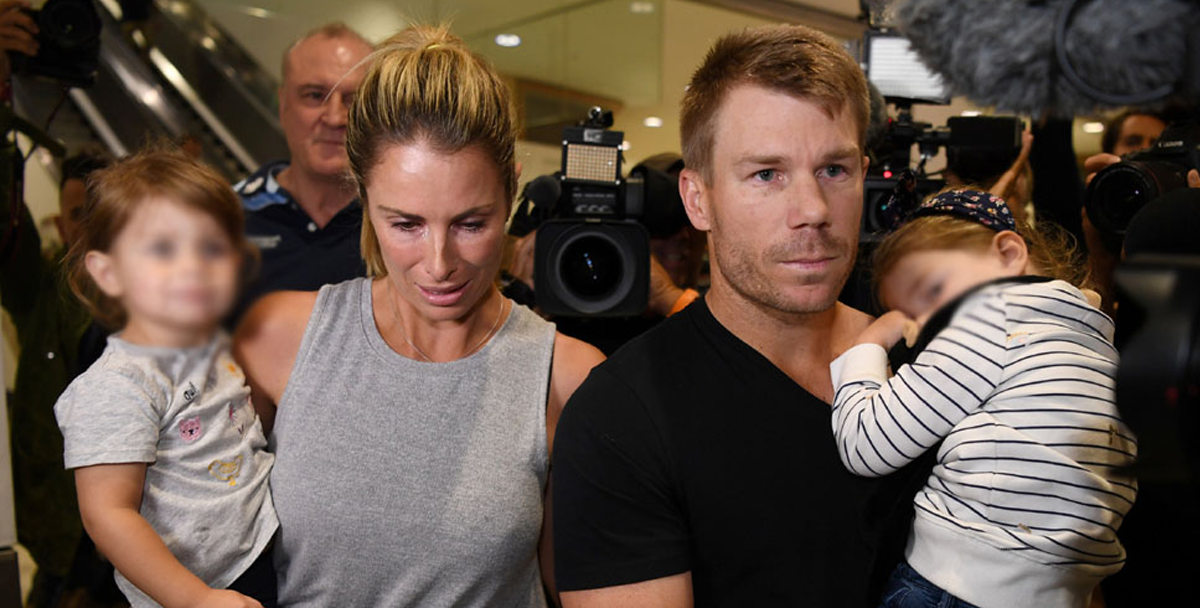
x=1103, y=253
x=1130, y=131
x=676, y=268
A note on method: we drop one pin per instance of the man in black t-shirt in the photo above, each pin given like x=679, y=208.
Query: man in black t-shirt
x=698, y=465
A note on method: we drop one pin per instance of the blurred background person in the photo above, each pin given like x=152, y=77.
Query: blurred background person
x=303, y=213
x=49, y=323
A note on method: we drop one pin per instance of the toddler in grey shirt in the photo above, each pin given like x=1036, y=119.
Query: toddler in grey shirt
x=169, y=455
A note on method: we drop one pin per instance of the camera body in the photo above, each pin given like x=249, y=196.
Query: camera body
x=978, y=148
x=592, y=256
x=68, y=43
x=1119, y=190
x=1158, y=380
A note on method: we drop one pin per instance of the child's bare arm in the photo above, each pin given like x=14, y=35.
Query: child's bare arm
x=109, y=498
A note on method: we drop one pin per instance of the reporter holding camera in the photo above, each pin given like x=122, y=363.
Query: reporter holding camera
x=416, y=407
x=1102, y=226
x=675, y=275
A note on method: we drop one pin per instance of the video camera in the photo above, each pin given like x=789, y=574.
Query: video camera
x=1119, y=190
x=68, y=43
x=1158, y=380
x=592, y=257
x=978, y=148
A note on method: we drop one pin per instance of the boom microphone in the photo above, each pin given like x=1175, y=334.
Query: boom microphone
x=1058, y=57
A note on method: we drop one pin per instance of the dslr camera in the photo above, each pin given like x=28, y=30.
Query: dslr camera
x=1118, y=191
x=592, y=257
x=68, y=43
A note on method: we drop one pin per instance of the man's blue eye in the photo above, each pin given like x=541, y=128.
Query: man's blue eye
x=835, y=170
x=765, y=175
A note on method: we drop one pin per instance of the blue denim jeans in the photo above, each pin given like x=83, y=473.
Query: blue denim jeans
x=907, y=589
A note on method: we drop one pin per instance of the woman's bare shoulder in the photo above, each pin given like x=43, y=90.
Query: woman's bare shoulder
x=573, y=360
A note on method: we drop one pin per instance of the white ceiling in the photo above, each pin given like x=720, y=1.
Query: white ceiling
x=594, y=47
x=609, y=48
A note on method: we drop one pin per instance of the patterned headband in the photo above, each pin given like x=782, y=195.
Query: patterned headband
x=980, y=207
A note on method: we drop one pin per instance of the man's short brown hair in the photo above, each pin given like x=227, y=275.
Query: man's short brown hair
x=792, y=59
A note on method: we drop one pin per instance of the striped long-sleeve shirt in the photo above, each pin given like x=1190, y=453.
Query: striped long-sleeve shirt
x=1023, y=506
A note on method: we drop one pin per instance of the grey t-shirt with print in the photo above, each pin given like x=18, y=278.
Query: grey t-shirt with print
x=186, y=412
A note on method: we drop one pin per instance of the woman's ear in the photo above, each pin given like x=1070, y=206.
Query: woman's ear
x=1012, y=251
x=99, y=265
x=694, y=192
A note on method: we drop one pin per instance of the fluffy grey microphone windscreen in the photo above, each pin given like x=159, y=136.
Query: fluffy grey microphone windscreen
x=1002, y=53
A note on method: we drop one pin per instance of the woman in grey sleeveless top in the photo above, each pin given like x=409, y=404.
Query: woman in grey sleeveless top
x=416, y=407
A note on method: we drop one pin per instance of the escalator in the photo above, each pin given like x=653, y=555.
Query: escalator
x=169, y=75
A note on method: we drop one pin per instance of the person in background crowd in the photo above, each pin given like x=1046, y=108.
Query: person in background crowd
x=302, y=213
x=1130, y=131
x=49, y=324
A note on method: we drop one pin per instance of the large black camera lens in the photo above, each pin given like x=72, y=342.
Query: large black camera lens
x=1119, y=191
x=69, y=23
x=591, y=266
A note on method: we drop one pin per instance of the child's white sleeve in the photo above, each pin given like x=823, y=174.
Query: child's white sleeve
x=882, y=424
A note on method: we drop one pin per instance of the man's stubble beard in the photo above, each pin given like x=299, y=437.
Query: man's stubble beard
x=738, y=270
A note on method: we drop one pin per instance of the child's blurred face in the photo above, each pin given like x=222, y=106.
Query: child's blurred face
x=174, y=270
x=923, y=281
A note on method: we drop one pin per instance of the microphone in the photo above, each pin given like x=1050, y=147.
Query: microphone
x=1058, y=57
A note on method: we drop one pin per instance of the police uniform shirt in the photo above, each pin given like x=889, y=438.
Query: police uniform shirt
x=297, y=254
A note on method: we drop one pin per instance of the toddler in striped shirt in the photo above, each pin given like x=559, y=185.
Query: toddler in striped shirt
x=1012, y=383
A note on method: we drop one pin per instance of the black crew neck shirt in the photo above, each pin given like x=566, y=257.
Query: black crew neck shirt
x=690, y=451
